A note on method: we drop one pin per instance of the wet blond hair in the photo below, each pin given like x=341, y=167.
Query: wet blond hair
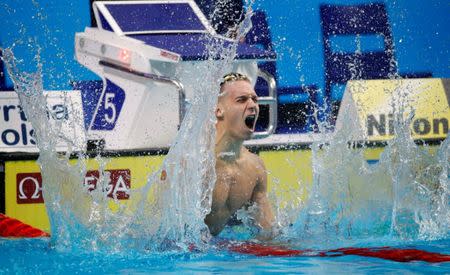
x=230, y=77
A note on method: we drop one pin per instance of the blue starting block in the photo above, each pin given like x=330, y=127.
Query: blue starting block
x=148, y=54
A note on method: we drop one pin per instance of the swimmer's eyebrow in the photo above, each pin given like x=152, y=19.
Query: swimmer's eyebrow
x=245, y=97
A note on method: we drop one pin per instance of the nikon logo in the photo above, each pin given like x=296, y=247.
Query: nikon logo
x=384, y=125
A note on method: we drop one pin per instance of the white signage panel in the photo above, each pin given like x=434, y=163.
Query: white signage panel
x=64, y=109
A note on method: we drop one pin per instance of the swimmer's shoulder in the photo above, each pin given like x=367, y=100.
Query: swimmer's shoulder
x=255, y=160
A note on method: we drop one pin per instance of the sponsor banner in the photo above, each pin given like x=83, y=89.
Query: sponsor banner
x=29, y=185
x=23, y=184
x=289, y=177
x=119, y=183
x=65, y=113
x=374, y=103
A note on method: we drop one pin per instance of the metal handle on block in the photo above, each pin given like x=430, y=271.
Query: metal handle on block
x=154, y=77
x=270, y=100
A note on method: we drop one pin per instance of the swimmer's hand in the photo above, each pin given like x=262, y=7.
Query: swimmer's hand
x=267, y=234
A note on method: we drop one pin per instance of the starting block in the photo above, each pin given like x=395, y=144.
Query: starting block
x=147, y=54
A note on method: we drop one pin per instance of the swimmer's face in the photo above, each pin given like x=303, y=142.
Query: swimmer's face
x=237, y=109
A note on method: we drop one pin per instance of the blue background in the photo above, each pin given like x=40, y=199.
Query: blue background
x=420, y=31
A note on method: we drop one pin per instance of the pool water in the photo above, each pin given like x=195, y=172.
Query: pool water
x=94, y=240
x=34, y=256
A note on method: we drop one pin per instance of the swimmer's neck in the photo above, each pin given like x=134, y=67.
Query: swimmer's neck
x=228, y=149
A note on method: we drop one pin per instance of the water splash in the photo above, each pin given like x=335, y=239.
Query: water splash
x=168, y=212
x=183, y=185
x=409, y=187
x=55, y=166
x=404, y=197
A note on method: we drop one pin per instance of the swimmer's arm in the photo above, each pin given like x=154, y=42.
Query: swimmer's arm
x=265, y=218
x=216, y=220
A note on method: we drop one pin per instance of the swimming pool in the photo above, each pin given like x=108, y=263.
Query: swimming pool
x=33, y=256
x=393, y=208
x=343, y=207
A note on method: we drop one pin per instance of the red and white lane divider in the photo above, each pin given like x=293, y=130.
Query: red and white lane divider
x=13, y=228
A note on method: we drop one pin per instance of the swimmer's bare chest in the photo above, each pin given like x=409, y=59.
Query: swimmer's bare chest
x=234, y=186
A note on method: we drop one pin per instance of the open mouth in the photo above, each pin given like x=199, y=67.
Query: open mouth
x=250, y=121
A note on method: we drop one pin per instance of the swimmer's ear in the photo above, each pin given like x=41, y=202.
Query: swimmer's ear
x=219, y=113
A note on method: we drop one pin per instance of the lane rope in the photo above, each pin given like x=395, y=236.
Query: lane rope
x=387, y=253
x=13, y=228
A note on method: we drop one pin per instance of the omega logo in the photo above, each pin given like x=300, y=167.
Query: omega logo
x=29, y=188
x=29, y=185
x=36, y=188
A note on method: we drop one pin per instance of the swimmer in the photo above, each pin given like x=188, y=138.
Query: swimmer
x=241, y=175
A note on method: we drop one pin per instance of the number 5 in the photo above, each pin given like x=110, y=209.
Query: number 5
x=110, y=105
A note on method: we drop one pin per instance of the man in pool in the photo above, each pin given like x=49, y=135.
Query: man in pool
x=241, y=175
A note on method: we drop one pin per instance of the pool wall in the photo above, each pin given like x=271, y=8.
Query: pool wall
x=289, y=178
